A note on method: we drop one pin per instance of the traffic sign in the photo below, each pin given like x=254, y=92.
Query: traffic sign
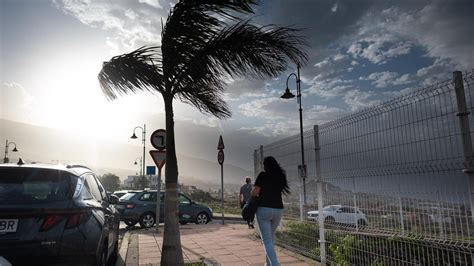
x=159, y=157
x=158, y=139
x=220, y=146
x=150, y=170
x=220, y=157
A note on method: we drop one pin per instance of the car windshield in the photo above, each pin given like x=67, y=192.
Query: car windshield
x=330, y=208
x=31, y=186
x=128, y=196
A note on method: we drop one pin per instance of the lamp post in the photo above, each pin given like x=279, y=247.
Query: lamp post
x=143, y=141
x=289, y=95
x=135, y=163
x=5, y=159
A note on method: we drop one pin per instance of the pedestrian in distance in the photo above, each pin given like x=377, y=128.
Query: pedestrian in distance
x=244, y=197
x=269, y=187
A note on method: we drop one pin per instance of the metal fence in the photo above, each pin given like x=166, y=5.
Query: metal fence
x=395, y=181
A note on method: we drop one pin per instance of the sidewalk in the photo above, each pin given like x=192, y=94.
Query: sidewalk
x=214, y=244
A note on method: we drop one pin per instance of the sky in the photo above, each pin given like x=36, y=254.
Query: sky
x=360, y=53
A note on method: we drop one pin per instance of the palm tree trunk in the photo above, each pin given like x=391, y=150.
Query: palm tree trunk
x=171, y=252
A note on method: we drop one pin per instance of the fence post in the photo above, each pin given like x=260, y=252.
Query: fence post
x=400, y=210
x=319, y=183
x=463, y=114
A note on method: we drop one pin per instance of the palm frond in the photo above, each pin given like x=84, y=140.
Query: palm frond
x=191, y=24
x=239, y=50
x=139, y=70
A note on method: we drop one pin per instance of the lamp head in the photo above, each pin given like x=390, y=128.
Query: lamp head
x=20, y=162
x=287, y=94
x=15, y=149
x=135, y=163
x=133, y=136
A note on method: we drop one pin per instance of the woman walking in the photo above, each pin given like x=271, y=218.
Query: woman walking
x=269, y=186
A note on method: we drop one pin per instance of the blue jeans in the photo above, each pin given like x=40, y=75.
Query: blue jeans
x=268, y=220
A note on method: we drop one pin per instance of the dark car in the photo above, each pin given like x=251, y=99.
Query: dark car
x=140, y=207
x=56, y=214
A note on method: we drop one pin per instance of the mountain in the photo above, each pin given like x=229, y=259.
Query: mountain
x=47, y=145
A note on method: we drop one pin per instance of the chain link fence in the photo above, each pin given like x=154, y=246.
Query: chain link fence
x=395, y=181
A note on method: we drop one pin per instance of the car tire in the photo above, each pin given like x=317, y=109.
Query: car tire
x=202, y=218
x=147, y=220
x=361, y=223
x=183, y=223
x=130, y=223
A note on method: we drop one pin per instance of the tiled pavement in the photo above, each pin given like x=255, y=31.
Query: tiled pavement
x=216, y=244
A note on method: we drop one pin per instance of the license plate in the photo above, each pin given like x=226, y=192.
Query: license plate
x=8, y=225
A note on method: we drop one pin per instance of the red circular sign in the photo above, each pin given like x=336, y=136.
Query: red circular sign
x=220, y=157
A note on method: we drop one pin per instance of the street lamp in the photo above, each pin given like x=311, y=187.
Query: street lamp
x=143, y=141
x=289, y=95
x=5, y=159
x=136, y=163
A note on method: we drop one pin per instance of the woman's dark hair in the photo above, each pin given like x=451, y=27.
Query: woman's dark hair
x=271, y=166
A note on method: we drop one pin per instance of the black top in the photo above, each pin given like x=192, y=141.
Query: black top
x=270, y=190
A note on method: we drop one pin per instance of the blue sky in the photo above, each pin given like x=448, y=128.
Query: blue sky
x=361, y=53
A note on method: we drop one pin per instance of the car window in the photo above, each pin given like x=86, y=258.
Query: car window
x=91, y=184
x=149, y=196
x=330, y=208
x=85, y=192
x=128, y=196
x=183, y=199
x=102, y=190
x=30, y=185
x=347, y=210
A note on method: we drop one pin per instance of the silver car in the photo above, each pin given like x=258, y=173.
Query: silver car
x=340, y=214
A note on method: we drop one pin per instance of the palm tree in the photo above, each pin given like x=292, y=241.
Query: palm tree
x=203, y=41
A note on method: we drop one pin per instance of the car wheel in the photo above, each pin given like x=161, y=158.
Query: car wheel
x=361, y=222
x=183, y=223
x=202, y=218
x=147, y=220
x=130, y=223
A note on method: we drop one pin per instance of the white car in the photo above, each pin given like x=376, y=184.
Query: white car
x=340, y=214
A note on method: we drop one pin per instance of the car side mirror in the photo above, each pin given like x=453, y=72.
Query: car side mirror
x=113, y=199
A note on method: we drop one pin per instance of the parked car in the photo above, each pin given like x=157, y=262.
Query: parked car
x=120, y=193
x=56, y=214
x=141, y=208
x=340, y=214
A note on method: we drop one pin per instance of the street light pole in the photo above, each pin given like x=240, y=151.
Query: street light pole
x=5, y=159
x=289, y=95
x=144, y=147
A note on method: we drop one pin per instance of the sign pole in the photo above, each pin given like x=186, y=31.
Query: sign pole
x=222, y=192
x=220, y=160
x=158, y=141
x=158, y=201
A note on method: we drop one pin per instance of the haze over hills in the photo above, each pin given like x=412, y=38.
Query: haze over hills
x=47, y=145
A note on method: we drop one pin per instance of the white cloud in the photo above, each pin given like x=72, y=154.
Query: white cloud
x=443, y=29
x=130, y=24
x=358, y=99
x=387, y=78
x=381, y=79
x=153, y=3
x=15, y=101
